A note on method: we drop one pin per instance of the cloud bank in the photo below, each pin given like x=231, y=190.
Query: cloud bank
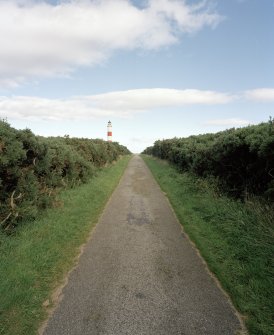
x=125, y=104
x=39, y=39
x=118, y=104
x=260, y=94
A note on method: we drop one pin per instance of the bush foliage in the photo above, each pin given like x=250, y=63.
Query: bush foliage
x=241, y=159
x=33, y=169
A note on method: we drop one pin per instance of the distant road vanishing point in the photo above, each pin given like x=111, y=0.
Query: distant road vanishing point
x=139, y=274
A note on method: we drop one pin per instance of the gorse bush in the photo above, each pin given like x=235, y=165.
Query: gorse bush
x=33, y=169
x=242, y=159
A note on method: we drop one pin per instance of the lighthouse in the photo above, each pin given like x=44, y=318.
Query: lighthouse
x=109, y=133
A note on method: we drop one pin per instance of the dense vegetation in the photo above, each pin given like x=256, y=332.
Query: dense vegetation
x=209, y=174
x=33, y=169
x=241, y=160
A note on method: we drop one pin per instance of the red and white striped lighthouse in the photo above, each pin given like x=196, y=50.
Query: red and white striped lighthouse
x=109, y=131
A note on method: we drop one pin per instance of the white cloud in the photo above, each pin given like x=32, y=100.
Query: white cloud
x=157, y=98
x=39, y=39
x=119, y=104
x=228, y=122
x=260, y=94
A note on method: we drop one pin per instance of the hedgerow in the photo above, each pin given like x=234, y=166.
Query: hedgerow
x=33, y=169
x=241, y=160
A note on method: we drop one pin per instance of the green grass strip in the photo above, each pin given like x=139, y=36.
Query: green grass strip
x=236, y=239
x=34, y=261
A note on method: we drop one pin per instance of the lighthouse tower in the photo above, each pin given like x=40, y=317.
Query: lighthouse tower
x=109, y=131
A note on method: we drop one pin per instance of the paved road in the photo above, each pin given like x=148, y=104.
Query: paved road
x=139, y=274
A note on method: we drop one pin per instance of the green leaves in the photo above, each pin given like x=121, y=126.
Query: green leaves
x=38, y=167
x=242, y=159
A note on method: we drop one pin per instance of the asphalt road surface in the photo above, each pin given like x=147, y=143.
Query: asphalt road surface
x=139, y=274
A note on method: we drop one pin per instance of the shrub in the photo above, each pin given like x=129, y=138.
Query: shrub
x=33, y=169
x=241, y=159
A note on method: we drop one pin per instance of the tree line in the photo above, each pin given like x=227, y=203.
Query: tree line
x=33, y=169
x=241, y=160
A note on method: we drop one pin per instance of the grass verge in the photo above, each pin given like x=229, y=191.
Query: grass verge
x=34, y=261
x=236, y=240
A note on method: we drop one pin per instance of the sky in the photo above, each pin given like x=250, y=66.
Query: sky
x=155, y=68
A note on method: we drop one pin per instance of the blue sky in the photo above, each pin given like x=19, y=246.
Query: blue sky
x=157, y=69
